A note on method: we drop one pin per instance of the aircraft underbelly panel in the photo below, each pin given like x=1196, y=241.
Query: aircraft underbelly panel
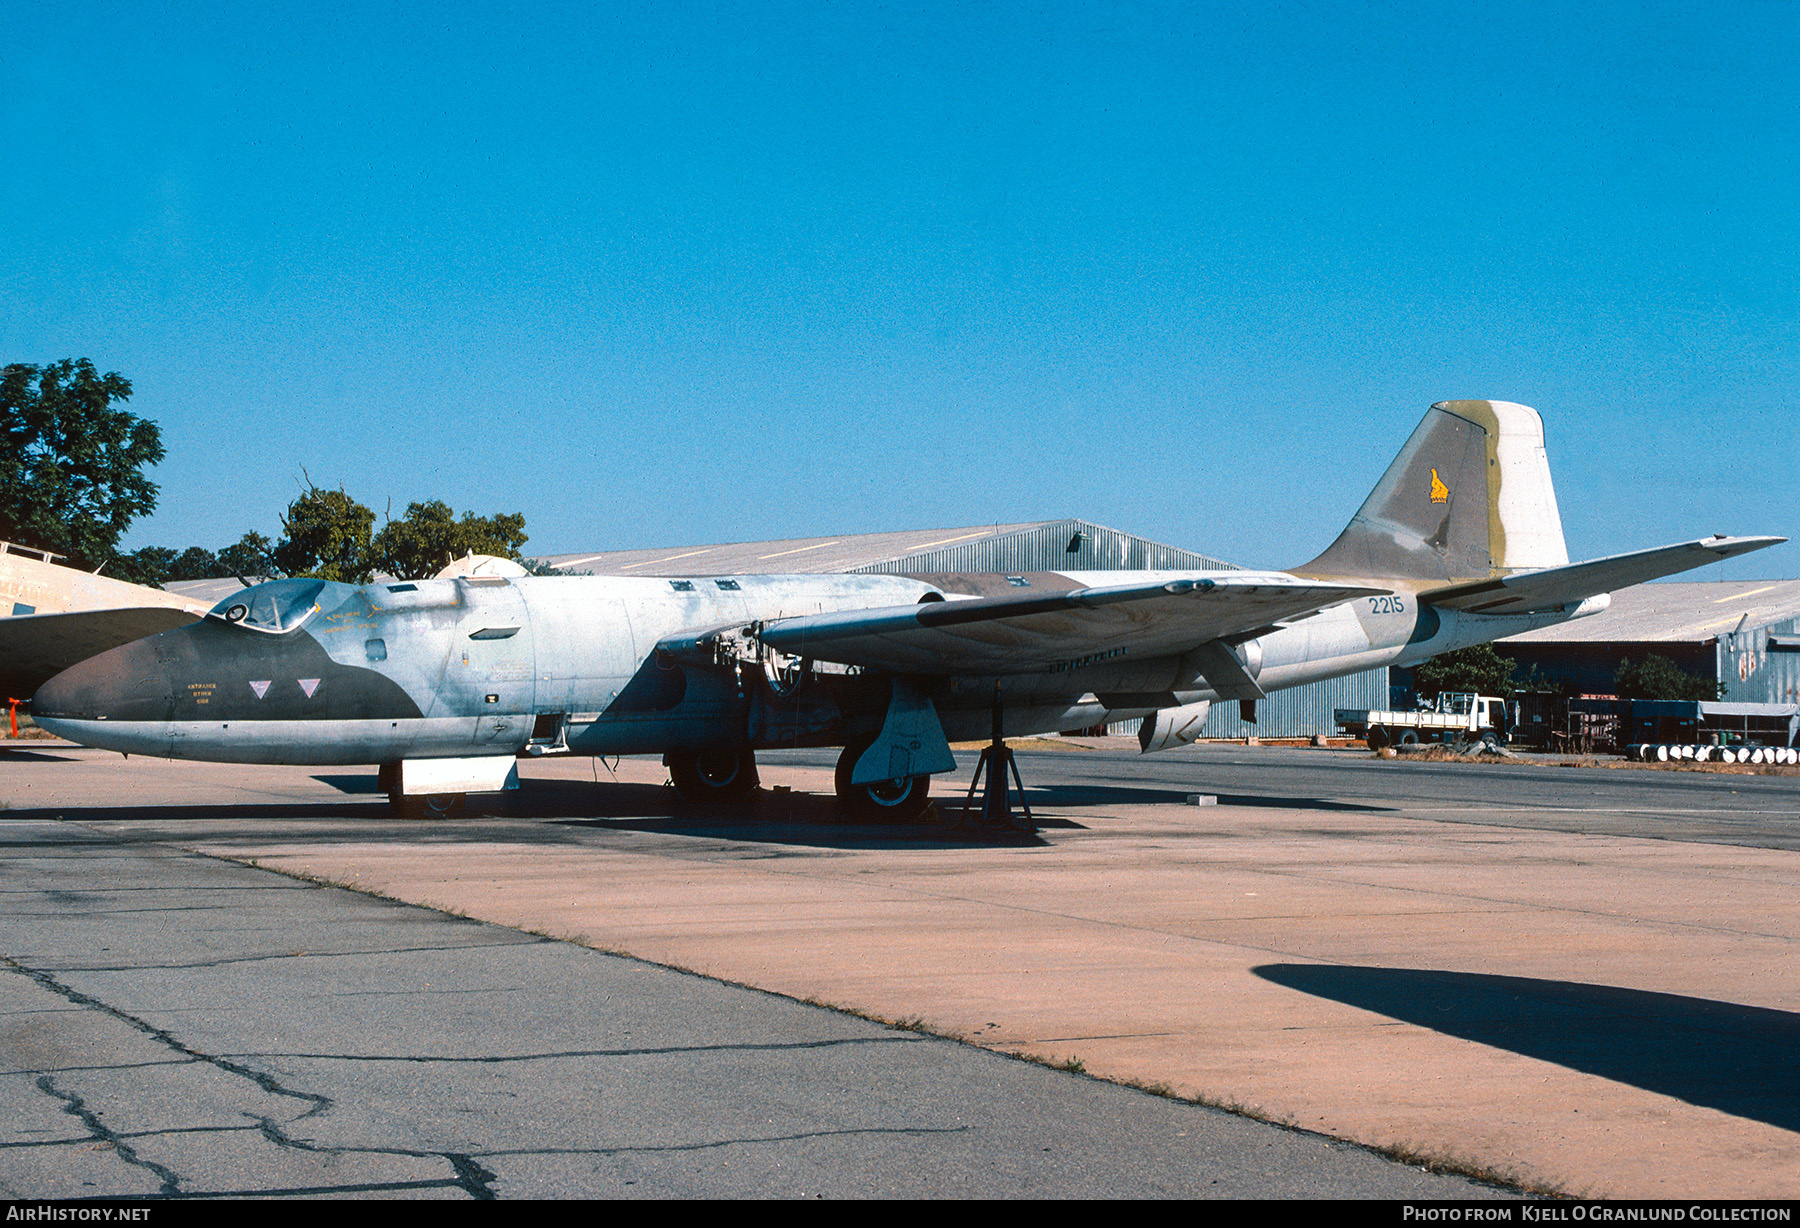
x=297, y=742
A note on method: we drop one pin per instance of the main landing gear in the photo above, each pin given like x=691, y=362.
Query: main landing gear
x=716, y=774
x=886, y=801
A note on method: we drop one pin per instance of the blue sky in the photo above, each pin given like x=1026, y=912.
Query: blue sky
x=670, y=273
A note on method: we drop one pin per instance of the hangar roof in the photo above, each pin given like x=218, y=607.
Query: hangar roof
x=1685, y=612
x=844, y=552
x=1039, y=545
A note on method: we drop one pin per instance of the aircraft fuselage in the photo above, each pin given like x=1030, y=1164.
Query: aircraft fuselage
x=491, y=666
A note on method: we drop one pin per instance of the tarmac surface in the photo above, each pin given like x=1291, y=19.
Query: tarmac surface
x=1579, y=979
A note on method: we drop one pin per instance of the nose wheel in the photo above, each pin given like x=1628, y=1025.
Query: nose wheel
x=716, y=774
x=426, y=805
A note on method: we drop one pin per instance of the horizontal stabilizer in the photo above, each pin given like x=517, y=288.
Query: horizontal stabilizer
x=34, y=648
x=1526, y=592
x=1031, y=632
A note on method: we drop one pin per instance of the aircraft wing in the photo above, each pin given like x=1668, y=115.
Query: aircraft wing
x=1524, y=592
x=1031, y=632
x=34, y=648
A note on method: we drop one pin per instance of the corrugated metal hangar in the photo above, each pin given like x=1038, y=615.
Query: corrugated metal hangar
x=1744, y=633
x=1046, y=545
x=1043, y=545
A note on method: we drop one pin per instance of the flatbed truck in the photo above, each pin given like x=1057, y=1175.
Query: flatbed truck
x=1457, y=716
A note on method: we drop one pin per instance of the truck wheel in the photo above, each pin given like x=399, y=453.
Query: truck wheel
x=1377, y=737
x=1408, y=737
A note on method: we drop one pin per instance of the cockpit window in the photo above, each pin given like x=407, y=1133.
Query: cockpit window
x=280, y=605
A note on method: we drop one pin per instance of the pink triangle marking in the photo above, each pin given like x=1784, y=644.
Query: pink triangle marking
x=261, y=688
x=309, y=685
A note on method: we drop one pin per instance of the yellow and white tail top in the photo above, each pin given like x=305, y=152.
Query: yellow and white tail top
x=1466, y=517
x=1469, y=497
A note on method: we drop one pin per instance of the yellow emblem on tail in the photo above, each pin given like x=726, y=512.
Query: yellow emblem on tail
x=1440, y=493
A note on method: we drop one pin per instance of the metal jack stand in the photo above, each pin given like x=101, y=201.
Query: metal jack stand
x=996, y=809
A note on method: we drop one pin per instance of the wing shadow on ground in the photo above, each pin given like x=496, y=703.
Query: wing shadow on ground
x=15, y=754
x=1717, y=1055
x=611, y=799
x=808, y=819
x=770, y=818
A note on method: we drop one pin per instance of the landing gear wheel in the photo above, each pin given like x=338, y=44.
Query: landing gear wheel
x=431, y=806
x=885, y=801
x=716, y=774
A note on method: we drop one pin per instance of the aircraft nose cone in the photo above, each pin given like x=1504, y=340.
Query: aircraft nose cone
x=129, y=683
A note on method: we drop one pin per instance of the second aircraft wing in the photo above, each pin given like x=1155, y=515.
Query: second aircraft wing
x=36, y=647
x=1033, y=632
x=1527, y=591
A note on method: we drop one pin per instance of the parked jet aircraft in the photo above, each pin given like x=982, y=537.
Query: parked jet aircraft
x=445, y=682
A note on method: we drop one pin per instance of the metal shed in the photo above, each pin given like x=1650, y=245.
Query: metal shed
x=1744, y=633
x=1045, y=545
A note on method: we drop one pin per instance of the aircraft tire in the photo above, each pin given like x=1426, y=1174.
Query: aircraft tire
x=428, y=806
x=887, y=801
x=716, y=774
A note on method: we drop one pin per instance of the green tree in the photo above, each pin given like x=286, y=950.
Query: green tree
x=72, y=466
x=150, y=566
x=157, y=565
x=1660, y=678
x=429, y=535
x=327, y=535
x=1478, y=669
x=251, y=555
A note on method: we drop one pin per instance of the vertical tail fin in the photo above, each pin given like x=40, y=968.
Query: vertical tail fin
x=1469, y=497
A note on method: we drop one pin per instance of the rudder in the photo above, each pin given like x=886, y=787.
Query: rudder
x=1469, y=497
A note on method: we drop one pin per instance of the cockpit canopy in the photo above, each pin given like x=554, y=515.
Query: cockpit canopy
x=275, y=607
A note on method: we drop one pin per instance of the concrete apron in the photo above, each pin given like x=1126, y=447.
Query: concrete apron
x=1338, y=971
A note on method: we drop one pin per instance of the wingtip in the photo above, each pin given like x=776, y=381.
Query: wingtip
x=1727, y=545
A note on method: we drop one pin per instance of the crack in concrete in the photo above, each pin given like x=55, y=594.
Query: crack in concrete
x=76, y=1108
x=203, y=965
x=315, y=1191
x=470, y=1177
x=130, y=911
x=474, y=1180
x=714, y=1144
x=164, y=1037
x=553, y=1055
x=129, y=1134
x=36, y=1070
